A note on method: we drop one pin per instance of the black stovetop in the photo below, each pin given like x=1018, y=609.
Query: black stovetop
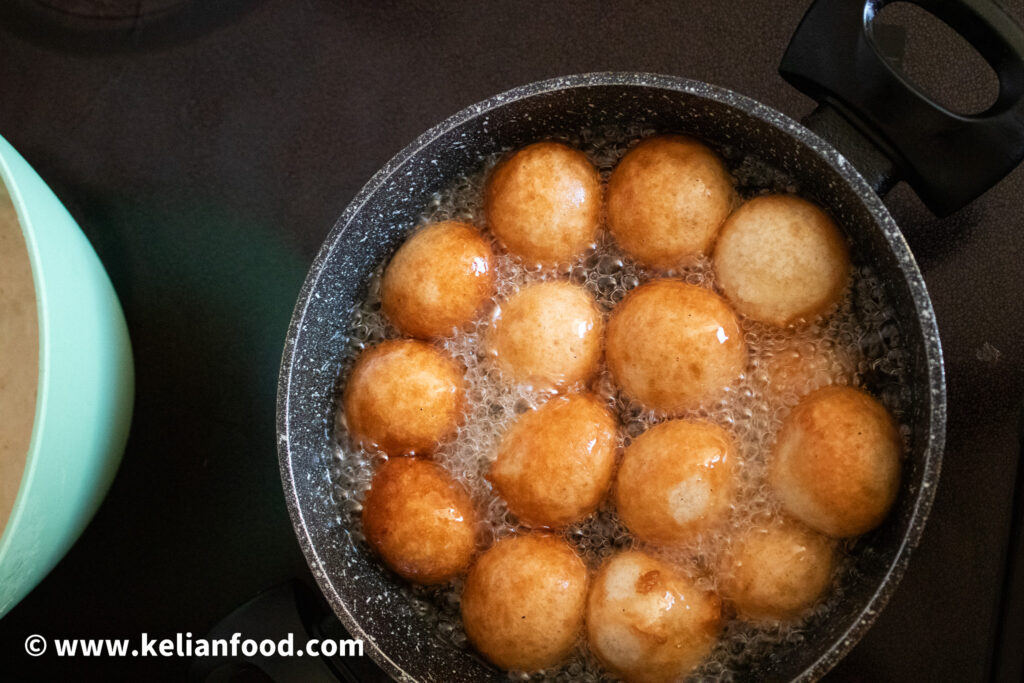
x=206, y=150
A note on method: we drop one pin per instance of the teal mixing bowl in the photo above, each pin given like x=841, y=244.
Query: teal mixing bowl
x=85, y=389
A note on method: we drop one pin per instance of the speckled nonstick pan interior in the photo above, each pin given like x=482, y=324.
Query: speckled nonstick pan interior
x=367, y=597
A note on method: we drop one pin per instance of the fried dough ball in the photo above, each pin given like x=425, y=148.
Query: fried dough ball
x=419, y=520
x=780, y=259
x=777, y=570
x=403, y=396
x=798, y=368
x=666, y=200
x=438, y=280
x=548, y=335
x=523, y=603
x=648, y=622
x=676, y=480
x=544, y=203
x=554, y=464
x=673, y=346
x=835, y=464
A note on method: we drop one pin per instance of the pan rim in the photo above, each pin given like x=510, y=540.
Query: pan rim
x=936, y=427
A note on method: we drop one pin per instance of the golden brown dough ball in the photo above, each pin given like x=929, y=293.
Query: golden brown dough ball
x=438, y=280
x=777, y=570
x=835, y=464
x=646, y=621
x=554, y=464
x=666, y=200
x=676, y=480
x=403, y=396
x=780, y=259
x=544, y=203
x=420, y=520
x=799, y=367
x=548, y=335
x=673, y=346
x=523, y=603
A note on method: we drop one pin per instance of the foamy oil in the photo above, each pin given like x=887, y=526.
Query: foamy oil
x=859, y=340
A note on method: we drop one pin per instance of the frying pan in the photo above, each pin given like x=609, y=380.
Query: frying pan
x=871, y=129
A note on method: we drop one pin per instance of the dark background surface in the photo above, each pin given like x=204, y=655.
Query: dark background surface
x=206, y=152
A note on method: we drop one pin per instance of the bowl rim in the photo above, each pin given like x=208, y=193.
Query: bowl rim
x=14, y=192
x=935, y=441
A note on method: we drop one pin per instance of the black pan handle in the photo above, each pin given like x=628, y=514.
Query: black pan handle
x=949, y=159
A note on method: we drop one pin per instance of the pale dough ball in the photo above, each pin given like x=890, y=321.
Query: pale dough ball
x=555, y=463
x=777, y=570
x=666, y=200
x=548, y=335
x=676, y=479
x=522, y=606
x=646, y=621
x=780, y=259
x=403, y=396
x=544, y=203
x=438, y=280
x=674, y=346
x=835, y=464
x=420, y=520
